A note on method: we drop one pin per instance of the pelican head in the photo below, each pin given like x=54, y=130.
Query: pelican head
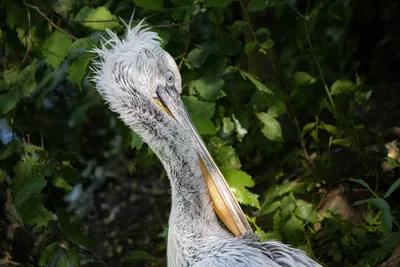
x=141, y=82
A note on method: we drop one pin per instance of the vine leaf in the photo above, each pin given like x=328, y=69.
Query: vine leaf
x=270, y=127
x=55, y=48
x=238, y=181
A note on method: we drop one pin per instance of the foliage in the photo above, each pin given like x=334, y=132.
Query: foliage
x=290, y=97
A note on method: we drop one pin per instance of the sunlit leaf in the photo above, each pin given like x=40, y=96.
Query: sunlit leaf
x=227, y=157
x=308, y=128
x=241, y=132
x=249, y=47
x=55, y=48
x=341, y=142
x=292, y=226
x=277, y=109
x=306, y=211
x=238, y=181
x=302, y=77
x=270, y=127
x=342, y=86
x=96, y=15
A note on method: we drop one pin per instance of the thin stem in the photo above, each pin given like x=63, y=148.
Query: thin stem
x=49, y=20
x=28, y=45
x=316, y=58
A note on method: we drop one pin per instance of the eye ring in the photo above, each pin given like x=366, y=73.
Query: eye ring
x=170, y=77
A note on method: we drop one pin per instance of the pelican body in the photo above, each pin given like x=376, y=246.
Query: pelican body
x=141, y=82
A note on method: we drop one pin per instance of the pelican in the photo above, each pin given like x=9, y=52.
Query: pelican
x=142, y=84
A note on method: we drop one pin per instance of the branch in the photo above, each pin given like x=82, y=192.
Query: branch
x=49, y=20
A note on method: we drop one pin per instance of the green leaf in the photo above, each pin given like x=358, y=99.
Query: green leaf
x=277, y=109
x=263, y=31
x=258, y=5
x=137, y=255
x=341, y=142
x=361, y=182
x=14, y=146
x=239, y=25
x=238, y=181
x=55, y=48
x=268, y=44
x=302, y=77
x=308, y=128
x=152, y=5
x=218, y=3
x=3, y=176
x=329, y=128
x=136, y=141
x=260, y=86
x=271, y=208
x=270, y=127
x=198, y=56
x=292, y=226
x=306, y=211
x=20, y=86
x=241, y=132
x=383, y=206
x=48, y=254
x=71, y=228
x=201, y=113
x=362, y=97
x=342, y=86
x=209, y=86
x=228, y=127
x=26, y=186
x=98, y=14
x=288, y=205
x=392, y=188
x=249, y=47
x=77, y=70
x=227, y=157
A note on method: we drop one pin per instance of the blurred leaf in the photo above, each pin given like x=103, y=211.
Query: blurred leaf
x=3, y=176
x=306, y=211
x=258, y=5
x=268, y=44
x=26, y=186
x=292, y=226
x=249, y=47
x=55, y=48
x=362, y=97
x=137, y=255
x=308, y=128
x=14, y=146
x=329, y=128
x=21, y=86
x=393, y=187
x=228, y=127
x=270, y=127
x=302, y=77
x=152, y=5
x=136, y=141
x=341, y=142
x=277, y=109
x=383, y=206
x=342, y=86
x=238, y=181
x=71, y=228
x=98, y=14
x=361, y=182
x=271, y=208
x=48, y=254
x=218, y=3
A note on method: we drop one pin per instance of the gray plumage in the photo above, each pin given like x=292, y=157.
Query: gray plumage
x=129, y=75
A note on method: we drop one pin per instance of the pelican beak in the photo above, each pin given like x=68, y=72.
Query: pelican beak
x=225, y=204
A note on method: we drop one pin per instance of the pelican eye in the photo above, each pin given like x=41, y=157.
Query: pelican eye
x=170, y=77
